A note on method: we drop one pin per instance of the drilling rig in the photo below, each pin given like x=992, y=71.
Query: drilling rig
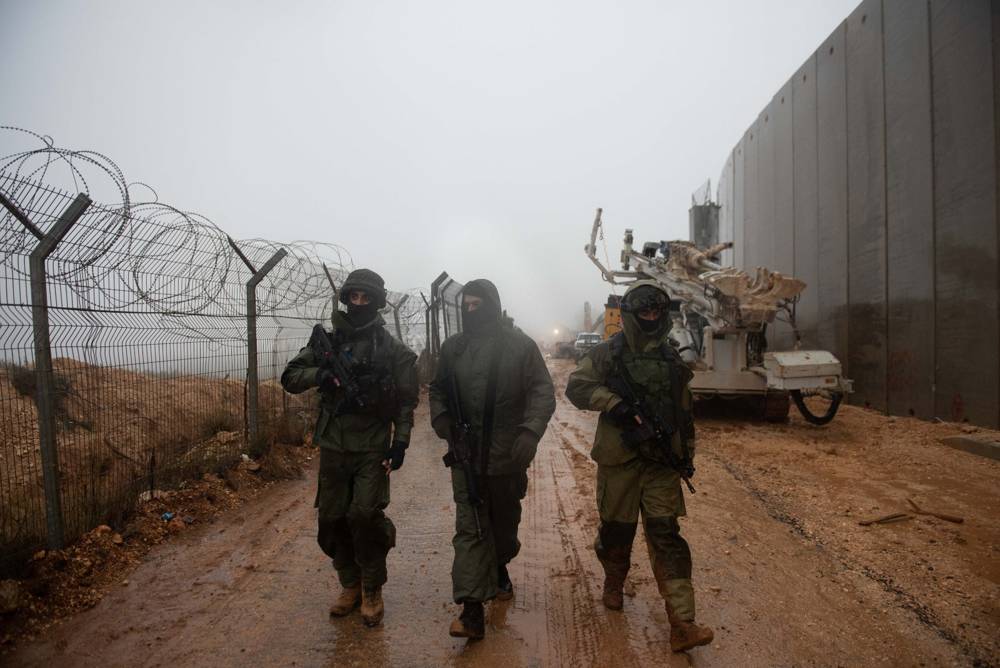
x=719, y=318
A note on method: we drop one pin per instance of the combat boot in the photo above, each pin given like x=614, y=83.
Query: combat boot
x=505, y=588
x=615, y=571
x=686, y=634
x=471, y=623
x=347, y=601
x=372, y=608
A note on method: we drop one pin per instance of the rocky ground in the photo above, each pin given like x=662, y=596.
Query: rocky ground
x=783, y=571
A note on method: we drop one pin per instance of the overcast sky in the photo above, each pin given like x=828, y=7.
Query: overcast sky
x=471, y=137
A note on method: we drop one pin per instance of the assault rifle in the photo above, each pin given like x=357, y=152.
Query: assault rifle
x=337, y=363
x=654, y=428
x=460, y=451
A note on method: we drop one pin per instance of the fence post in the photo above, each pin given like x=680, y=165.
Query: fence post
x=44, y=383
x=435, y=341
x=253, y=388
x=333, y=286
x=395, y=315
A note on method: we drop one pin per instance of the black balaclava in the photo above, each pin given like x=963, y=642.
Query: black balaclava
x=488, y=315
x=370, y=283
x=645, y=297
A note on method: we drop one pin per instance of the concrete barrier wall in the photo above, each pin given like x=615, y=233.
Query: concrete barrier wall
x=873, y=176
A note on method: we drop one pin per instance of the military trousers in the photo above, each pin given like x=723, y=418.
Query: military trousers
x=625, y=491
x=477, y=560
x=353, y=528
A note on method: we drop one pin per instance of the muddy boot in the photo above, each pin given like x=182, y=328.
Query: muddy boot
x=615, y=572
x=505, y=588
x=471, y=623
x=686, y=634
x=372, y=608
x=349, y=599
x=614, y=551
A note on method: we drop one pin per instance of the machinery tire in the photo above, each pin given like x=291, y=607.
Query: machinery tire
x=812, y=418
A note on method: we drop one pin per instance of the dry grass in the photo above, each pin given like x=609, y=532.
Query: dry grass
x=122, y=433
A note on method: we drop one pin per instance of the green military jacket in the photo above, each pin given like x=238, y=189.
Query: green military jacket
x=525, y=397
x=360, y=432
x=588, y=389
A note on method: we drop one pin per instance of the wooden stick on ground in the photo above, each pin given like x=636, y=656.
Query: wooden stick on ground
x=941, y=516
x=886, y=519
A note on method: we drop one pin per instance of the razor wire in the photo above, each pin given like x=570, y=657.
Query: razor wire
x=129, y=254
x=147, y=306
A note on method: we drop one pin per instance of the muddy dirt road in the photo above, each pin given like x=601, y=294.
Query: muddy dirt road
x=783, y=571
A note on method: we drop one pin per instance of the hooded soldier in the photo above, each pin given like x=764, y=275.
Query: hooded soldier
x=362, y=438
x=492, y=377
x=638, y=383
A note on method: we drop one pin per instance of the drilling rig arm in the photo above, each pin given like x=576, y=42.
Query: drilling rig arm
x=590, y=249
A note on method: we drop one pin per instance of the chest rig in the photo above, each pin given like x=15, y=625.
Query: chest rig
x=654, y=382
x=370, y=363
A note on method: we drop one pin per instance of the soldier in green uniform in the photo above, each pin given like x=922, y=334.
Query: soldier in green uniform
x=505, y=395
x=361, y=439
x=639, y=384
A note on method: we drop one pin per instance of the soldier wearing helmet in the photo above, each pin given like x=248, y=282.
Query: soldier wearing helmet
x=360, y=441
x=643, y=447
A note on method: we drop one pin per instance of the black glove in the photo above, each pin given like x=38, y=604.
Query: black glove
x=442, y=426
x=326, y=380
x=524, y=448
x=394, y=457
x=624, y=414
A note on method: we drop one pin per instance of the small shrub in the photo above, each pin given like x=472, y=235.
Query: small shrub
x=218, y=419
x=24, y=381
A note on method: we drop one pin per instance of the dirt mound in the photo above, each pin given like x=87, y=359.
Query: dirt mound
x=59, y=583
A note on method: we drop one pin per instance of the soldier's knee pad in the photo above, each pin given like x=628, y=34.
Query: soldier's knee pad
x=614, y=538
x=672, y=553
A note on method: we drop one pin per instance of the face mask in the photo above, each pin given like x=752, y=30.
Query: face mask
x=478, y=320
x=361, y=314
x=650, y=326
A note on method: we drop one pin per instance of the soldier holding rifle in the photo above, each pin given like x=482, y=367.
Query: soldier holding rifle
x=491, y=399
x=644, y=449
x=368, y=387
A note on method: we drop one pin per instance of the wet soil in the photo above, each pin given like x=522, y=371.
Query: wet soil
x=783, y=571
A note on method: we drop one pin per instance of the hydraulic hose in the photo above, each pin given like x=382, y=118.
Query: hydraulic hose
x=811, y=417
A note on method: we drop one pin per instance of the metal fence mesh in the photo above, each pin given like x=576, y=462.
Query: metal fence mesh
x=147, y=309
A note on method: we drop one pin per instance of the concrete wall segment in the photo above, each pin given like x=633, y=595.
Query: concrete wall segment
x=866, y=253
x=804, y=193
x=909, y=209
x=831, y=123
x=782, y=253
x=965, y=175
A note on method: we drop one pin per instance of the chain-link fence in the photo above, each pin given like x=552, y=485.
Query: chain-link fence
x=140, y=345
x=442, y=318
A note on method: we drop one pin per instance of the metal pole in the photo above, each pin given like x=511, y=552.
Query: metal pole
x=253, y=390
x=252, y=378
x=45, y=387
x=427, y=324
x=435, y=341
x=444, y=307
x=333, y=286
x=395, y=315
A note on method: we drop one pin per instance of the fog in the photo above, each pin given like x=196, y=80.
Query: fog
x=471, y=137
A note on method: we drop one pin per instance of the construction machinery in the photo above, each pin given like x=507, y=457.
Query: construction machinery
x=719, y=319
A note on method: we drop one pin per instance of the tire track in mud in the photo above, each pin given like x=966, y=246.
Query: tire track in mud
x=774, y=508
x=638, y=636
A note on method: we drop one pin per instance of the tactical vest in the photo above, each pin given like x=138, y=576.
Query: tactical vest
x=371, y=366
x=658, y=377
